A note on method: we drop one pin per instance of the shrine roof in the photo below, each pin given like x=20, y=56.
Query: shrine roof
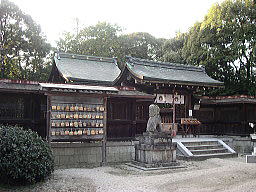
x=85, y=69
x=77, y=88
x=228, y=99
x=133, y=93
x=172, y=73
x=18, y=86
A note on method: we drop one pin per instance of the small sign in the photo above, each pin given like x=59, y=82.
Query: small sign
x=190, y=113
x=196, y=107
x=160, y=98
x=168, y=98
x=179, y=99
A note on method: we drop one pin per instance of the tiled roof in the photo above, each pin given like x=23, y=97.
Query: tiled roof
x=228, y=99
x=172, y=73
x=78, y=88
x=87, y=69
x=19, y=85
x=132, y=92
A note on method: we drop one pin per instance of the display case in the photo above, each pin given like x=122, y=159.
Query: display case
x=77, y=118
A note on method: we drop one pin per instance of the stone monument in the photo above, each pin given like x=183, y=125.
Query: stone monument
x=154, y=122
x=155, y=147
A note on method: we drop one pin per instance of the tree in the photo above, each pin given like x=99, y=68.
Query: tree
x=23, y=48
x=172, y=49
x=104, y=39
x=98, y=40
x=225, y=43
x=141, y=45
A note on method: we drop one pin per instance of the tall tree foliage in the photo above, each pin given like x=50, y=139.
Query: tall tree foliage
x=225, y=43
x=99, y=40
x=104, y=39
x=23, y=48
x=141, y=45
x=172, y=49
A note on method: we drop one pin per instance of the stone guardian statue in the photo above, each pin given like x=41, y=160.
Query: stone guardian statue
x=154, y=121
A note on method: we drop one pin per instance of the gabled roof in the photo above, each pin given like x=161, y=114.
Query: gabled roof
x=162, y=72
x=84, y=69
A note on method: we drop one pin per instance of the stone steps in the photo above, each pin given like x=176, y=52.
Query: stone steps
x=200, y=143
x=199, y=148
x=209, y=151
x=208, y=156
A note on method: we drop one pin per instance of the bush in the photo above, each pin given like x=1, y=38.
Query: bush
x=24, y=157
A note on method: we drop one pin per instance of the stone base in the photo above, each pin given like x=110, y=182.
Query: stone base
x=250, y=158
x=155, y=150
x=155, y=156
x=152, y=167
x=147, y=165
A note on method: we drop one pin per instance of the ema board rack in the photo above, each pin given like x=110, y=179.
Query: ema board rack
x=82, y=119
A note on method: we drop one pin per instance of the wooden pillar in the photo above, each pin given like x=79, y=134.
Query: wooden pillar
x=48, y=115
x=214, y=120
x=185, y=106
x=104, y=140
x=244, y=120
x=190, y=101
x=133, y=117
x=173, y=108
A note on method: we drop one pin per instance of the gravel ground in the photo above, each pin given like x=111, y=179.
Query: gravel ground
x=228, y=175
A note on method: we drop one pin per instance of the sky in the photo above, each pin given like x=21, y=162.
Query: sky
x=160, y=18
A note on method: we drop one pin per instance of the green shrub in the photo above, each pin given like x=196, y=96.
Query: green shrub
x=24, y=157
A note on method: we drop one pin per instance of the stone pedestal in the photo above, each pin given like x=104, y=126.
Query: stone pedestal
x=155, y=150
x=251, y=158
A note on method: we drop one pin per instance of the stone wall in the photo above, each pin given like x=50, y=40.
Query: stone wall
x=242, y=145
x=67, y=155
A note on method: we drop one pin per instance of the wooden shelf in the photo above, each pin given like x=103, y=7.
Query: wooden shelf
x=63, y=111
x=62, y=119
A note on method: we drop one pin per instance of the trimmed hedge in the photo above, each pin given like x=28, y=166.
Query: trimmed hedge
x=24, y=157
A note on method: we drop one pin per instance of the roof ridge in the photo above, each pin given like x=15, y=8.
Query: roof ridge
x=177, y=66
x=86, y=57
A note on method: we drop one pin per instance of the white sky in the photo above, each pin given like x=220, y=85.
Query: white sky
x=161, y=18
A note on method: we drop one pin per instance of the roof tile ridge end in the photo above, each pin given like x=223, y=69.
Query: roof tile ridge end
x=87, y=57
x=162, y=63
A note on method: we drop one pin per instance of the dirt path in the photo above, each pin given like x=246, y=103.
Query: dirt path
x=198, y=176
